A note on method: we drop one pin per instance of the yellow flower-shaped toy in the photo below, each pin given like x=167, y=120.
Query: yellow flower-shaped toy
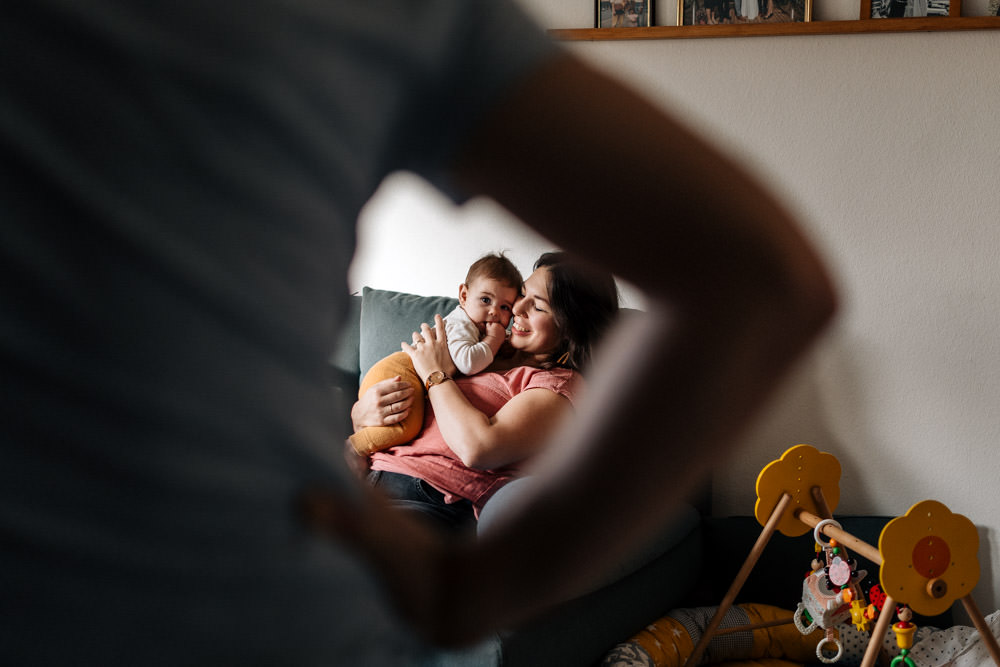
x=799, y=469
x=929, y=557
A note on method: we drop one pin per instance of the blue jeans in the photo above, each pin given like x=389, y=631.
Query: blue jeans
x=415, y=495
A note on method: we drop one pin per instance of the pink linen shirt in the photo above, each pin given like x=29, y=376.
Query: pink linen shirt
x=429, y=457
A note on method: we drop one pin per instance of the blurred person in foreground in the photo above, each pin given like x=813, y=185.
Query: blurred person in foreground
x=179, y=186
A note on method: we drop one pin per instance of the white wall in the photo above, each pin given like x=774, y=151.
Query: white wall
x=413, y=239
x=888, y=146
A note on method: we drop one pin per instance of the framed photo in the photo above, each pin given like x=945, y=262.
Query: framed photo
x=994, y=8
x=623, y=13
x=723, y=12
x=899, y=9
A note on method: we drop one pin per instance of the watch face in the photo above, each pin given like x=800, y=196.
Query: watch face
x=437, y=377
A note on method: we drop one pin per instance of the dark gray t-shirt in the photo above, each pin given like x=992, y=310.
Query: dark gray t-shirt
x=179, y=184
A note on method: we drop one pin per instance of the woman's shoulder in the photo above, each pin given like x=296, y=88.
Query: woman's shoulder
x=563, y=381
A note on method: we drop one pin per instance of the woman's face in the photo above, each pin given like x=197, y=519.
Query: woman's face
x=534, y=328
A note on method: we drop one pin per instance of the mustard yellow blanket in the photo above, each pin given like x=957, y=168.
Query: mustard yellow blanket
x=670, y=640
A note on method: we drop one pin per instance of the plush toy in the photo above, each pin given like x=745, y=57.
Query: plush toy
x=373, y=439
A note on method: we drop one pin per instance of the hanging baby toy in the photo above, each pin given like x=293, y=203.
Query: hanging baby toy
x=927, y=558
x=831, y=594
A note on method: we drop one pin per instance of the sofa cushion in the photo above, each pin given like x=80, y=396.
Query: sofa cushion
x=388, y=318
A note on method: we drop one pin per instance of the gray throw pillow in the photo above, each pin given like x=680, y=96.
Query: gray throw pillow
x=389, y=318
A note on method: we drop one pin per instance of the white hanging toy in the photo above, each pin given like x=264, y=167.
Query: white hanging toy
x=828, y=593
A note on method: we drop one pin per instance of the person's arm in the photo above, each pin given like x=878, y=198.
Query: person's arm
x=517, y=431
x=470, y=354
x=736, y=295
x=387, y=402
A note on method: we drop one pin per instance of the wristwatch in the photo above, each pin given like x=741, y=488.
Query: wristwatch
x=437, y=377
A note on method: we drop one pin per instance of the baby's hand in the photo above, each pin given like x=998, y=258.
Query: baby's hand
x=496, y=334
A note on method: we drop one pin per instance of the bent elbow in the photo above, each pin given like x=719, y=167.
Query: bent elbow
x=477, y=455
x=787, y=283
x=827, y=304
x=772, y=295
x=475, y=459
x=811, y=297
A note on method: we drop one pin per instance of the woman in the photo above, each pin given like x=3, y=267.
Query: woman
x=483, y=427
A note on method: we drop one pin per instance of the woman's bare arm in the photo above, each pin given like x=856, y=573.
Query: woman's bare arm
x=516, y=432
x=519, y=430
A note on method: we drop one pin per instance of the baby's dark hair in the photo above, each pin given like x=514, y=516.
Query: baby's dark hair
x=584, y=302
x=495, y=266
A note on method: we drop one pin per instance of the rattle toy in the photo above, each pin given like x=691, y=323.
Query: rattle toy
x=927, y=558
x=831, y=593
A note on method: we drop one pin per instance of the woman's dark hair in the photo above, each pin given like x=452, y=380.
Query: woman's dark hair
x=584, y=302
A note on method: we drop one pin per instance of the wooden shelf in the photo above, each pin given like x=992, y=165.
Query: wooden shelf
x=937, y=24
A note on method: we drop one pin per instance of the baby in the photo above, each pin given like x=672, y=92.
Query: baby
x=476, y=329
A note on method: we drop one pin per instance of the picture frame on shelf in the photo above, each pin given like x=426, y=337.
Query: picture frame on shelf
x=743, y=12
x=623, y=13
x=898, y=9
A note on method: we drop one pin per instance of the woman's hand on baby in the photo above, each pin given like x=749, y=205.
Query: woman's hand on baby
x=385, y=403
x=429, y=351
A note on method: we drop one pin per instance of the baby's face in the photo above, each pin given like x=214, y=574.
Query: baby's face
x=487, y=300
